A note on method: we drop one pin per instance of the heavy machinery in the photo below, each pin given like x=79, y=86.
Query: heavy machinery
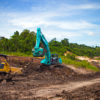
x=6, y=71
x=50, y=59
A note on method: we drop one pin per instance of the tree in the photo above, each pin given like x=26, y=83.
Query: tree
x=98, y=51
x=65, y=42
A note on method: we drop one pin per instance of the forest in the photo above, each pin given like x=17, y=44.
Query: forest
x=24, y=42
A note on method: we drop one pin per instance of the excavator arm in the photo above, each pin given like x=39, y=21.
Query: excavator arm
x=38, y=51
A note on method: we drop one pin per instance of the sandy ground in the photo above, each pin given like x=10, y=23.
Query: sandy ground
x=91, y=60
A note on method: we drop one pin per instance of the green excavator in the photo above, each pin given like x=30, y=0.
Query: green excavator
x=50, y=59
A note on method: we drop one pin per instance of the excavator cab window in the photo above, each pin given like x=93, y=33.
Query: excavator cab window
x=54, y=58
x=3, y=58
x=1, y=66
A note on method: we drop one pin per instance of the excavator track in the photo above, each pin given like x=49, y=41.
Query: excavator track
x=5, y=76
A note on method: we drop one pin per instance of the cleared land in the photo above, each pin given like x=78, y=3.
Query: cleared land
x=54, y=83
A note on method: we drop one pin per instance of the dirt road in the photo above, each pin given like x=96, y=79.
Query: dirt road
x=52, y=90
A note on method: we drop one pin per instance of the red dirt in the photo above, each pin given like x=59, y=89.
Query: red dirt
x=49, y=83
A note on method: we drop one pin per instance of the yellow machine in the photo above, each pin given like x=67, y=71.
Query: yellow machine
x=7, y=72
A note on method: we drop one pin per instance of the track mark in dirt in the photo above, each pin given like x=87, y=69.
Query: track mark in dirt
x=51, y=91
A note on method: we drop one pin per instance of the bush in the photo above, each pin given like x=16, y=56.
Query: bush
x=71, y=56
x=77, y=63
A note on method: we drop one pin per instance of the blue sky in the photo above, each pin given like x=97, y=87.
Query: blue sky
x=77, y=20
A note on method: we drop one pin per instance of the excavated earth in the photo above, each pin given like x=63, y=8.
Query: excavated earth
x=49, y=83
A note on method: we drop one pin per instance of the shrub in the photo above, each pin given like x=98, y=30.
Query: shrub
x=71, y=56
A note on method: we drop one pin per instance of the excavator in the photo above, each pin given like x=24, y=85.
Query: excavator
x=50, y=59
x=6, y=71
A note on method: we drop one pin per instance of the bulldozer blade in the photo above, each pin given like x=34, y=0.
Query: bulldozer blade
x=15, y=70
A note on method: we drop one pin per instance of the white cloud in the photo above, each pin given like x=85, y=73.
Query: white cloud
x=32, y=18
x=92, y=43
x=33, y=21
x=91, y=33
x=64, y=7
x=50, y=34
x=74, y=25
x=45, y=19
x=83, y=6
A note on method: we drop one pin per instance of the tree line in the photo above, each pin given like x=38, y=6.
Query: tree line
x=19, y=42
x=25, y=41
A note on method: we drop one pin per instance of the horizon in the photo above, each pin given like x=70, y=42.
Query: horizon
x=78, y=21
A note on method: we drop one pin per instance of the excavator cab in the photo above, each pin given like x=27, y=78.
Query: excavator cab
x=55, y=59
x=4, y=66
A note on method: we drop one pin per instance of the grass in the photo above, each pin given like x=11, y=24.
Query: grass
x=77, y=63
x=97, y=58
x=17, y=54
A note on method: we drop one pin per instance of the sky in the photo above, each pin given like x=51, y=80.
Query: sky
x=77, y=20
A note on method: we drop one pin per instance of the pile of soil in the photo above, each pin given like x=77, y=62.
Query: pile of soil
x=59, y=72
x=19, y=61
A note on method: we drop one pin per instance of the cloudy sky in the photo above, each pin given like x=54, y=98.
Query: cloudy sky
x=77, y=20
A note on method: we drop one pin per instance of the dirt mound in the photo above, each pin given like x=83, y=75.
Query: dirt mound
x=59, y=72
x=19, y=61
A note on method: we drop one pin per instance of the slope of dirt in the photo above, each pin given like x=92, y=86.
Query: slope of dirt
x=97, y=64
x=48, y=83
x=93, y=61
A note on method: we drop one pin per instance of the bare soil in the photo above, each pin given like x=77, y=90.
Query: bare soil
x=49, y=83
x=93, y=61
x=97, y=64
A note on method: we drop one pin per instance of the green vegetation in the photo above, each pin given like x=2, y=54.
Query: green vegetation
x=80, y=50
x=98, y=58
x=21, y=44
x=71, y=60
x=17, y=54
x=24, y=42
